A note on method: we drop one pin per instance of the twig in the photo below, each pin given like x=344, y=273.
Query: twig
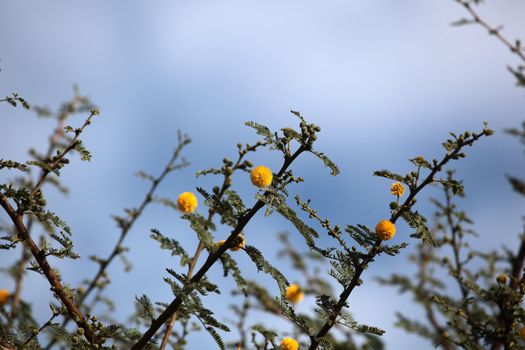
x=439, y=329
x=516, y=49
x=62, y=154
x=44, y=326
x=456, y=243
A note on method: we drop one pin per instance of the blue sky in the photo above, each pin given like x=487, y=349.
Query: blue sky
x=385, y=80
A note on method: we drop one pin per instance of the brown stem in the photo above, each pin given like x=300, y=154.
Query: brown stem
x=517, y=266
x=212, y=258
x=40, y=257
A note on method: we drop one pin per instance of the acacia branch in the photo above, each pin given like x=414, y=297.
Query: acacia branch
x=40, y=257
x=212, y=258
x=53, y=141
x=200, y=247
x=375, y=250
x=17, y=217
x=117, y=249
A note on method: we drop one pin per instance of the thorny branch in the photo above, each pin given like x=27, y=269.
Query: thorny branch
x=53, y=143
x=17, y=217
x=375, y=250
x=126, y=227
x=39, y=255
x=212, y=258
x=191, y=265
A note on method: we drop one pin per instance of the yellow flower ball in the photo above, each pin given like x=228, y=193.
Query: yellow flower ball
x=294, y=293
x=385, y=230
x=187, y=202
x=289, y=344
x=522, y=333
x=239, y=243
x=261, y=176
x=502, y=278
x=397, y=189
x=4, y=296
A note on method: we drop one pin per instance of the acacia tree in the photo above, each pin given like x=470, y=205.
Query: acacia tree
x=220, y=235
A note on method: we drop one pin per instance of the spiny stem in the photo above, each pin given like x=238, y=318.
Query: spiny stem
x=193, y=262
x=183, y=141
x=408, y=203
x=40, y=257
x=212, y=258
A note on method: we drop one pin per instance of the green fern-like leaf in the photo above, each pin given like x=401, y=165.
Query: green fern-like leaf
x=389, y=175
x=334, y=170
x=263, y=265
x=171, y=244
x=259, y=128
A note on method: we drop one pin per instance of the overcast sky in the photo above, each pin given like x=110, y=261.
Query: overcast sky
x=386, y=80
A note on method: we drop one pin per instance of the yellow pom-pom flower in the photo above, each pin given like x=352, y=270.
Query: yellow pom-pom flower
x=289, y=344
x=187, y=202
x=238, y=244
x=397, y=189
x=4, y=296
x=502, y=278
x=385, y=230
x=522, y=333
x=261, y=176
x=294, y=293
